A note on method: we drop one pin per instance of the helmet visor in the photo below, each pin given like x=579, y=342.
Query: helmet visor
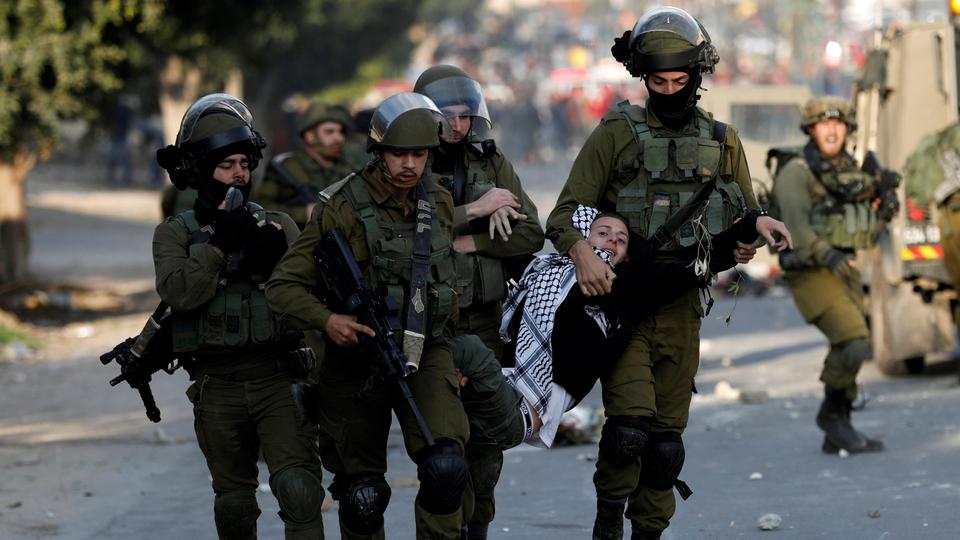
x=213, y=103
x=394, y=106
x=461, y=96
x=673, y=20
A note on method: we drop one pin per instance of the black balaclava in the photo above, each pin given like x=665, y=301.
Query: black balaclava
x=675, y=110
x=211, y=192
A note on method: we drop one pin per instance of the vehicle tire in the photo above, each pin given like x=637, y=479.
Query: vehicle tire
x=914, y=365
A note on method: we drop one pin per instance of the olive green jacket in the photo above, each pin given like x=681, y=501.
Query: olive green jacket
x=797, y=191
x=527, y=236
x=598, y=174
x=274, y=194
x=187, y=277
x=290, y=288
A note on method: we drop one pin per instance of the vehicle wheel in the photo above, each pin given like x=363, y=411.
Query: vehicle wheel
x=914, y=365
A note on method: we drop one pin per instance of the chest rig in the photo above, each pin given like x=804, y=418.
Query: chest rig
x=480, y=279
x=669, y=170
x=238, y=314
x=391, y=249
x=842, y=212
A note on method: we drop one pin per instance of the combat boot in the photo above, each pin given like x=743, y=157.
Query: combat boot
x=476, y=531
x=834, y=419
x=638, y=533
x=609, y=522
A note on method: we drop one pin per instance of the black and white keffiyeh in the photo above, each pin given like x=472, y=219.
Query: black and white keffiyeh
x=544, y=286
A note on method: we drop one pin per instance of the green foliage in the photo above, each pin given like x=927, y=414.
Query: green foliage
x=10, y=335
x=51, y=59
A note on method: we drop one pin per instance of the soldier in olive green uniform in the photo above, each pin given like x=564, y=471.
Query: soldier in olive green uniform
x=293, y=180
x=383, y=211
x=645, y=163
x=211, y=265
x=828, y=203
x=495, y=223
x=496, y=231
x=933, y=170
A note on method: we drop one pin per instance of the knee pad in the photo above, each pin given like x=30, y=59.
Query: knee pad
x=442, y=472
x=624, y=439
x=853, y=353
x=362, y=504
x=235, y=514
x=662, y=461
x=299, y=494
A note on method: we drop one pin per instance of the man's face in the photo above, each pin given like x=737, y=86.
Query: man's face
x=405, y=166
x=460, y=122
x=829, y=136
x=610, y=234
x=667, y=82
x=233, y=171
x=326, y=139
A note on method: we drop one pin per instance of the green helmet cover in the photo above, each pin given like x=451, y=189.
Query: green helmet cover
x=406, y=121
x=319, y=112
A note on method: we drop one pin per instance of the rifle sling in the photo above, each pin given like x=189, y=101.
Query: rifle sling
x=682, y=215
x=416, y=311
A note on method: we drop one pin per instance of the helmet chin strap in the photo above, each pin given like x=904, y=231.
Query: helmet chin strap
x=389, y=178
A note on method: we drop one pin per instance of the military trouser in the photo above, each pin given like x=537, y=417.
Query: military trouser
x=496, y=424
x=483, y=321
x=234, y=422
x=664, y=347
x=835, y=307
x=357, y=430
x=949, y=223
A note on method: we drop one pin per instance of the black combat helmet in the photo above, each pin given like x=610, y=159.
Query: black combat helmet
x=456, y=94
x=406, y=121
x=214, y=127
x=666, y=39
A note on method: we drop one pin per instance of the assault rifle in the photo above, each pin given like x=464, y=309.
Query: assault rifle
x=303, y=194
x=888, y=180
x=141, y=356
x=343, y=287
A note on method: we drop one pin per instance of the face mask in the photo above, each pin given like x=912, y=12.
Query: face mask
x=675, y=109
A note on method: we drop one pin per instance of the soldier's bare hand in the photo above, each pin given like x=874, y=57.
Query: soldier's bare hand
x=594, y=276
x=767, y=226
x=490, y=202
x=744, y=253
x=500, y=222
x=461, y=378
x=343, y=330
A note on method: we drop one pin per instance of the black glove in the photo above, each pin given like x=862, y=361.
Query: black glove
x=266, y=246
x=232, y=229
x=836, y=261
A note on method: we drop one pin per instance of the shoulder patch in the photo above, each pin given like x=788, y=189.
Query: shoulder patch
x=335, y=187
x=280, y=158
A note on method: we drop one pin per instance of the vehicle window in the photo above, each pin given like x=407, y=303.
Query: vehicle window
x=776, y=124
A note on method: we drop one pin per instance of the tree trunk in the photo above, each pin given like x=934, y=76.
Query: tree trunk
x=14, y=236
x=234, y=83
x=179, y=88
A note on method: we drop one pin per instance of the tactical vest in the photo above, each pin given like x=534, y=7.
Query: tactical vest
x=480, y=279
x=669, y=170
x=843, y=222
x=236, y=316
x=391, y=257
